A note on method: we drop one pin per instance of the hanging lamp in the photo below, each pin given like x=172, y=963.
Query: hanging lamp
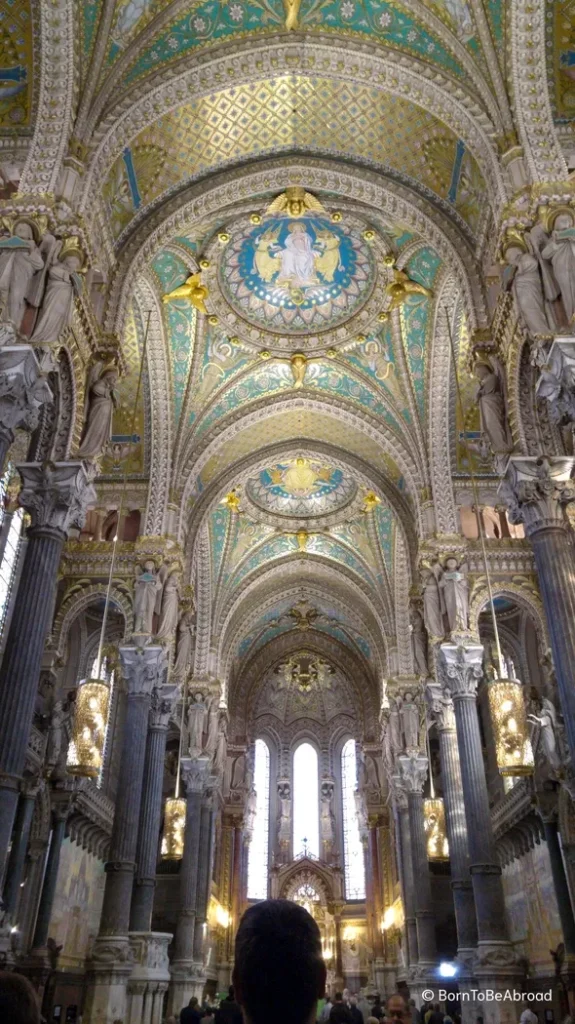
x=436, y=842
x=172, y=847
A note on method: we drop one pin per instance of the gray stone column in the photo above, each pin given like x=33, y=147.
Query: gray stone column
x=547, y=806
x=20, y=837
x=537, y=492
x=60, y=812
x=205, y=870
x=23, y=392
x=56, y=495
x=461, y=668
x=182, y=987
x=413, y=773
x=464, y=904
x=162, y=705
x=142, y=668
x=405, y=862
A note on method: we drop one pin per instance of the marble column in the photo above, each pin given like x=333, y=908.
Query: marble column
x=23, y=392
x=537, y=492
x=496, y=967
x=162, y=704
x=547, y=807
x=56, y=495
x=62, y=802
x=237, y=893
x=20, y=837
x=442, y=709
x=205, y=870
x=406, y=870
x=183, y=974
x=413, y=773
x=374, y=882
x=337, y=908
x=143, y=669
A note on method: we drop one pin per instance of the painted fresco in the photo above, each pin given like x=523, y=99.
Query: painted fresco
x=15, y=63
x=78, y=903
x=301, y=487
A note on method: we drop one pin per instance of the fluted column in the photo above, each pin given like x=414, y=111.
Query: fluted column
x=60, y=812
x=56, y=495
x=23, y=392
x=547, y=807
x=205, y=869
x=194, y=778
x=20, y=838
x=537, y=492
x=405, y=861
x=461, y=669
x=413, y=773
x=442, y=709
x=142, y=669
x=162, y=704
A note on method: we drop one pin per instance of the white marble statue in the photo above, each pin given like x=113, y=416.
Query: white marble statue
x=491, y=401
x=20, y=258
x=211, y=740
x=146, y=591
x=197, y=712
x=100, y=404
x=327, y=817
x=219, y=762
x=410, y=720
x=361, y=810
x=251, y=809
x=433, y=605
x=418, y=641
x=64, y=283
x=239, y=772
x=57, y=739
x=284, y=797
x=549, y=725
x=522, y=276
x=455, y=587
x=184, y=644
x=169, y=608
x=560, y=249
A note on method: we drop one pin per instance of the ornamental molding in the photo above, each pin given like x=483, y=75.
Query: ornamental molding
x=382, y=70
x=537, y=490
x=439, y=411
x=57, y=74
x=229, y=190
x=76, y=601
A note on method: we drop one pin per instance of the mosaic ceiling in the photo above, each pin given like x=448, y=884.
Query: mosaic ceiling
x=16, y=42
x=301, y=488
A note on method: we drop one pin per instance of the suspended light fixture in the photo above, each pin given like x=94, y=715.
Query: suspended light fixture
x=506, y=701
x=437, y=846
x=175, y=806
x=86, y=749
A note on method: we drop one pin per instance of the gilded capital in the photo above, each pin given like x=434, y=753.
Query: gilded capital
x=537, y=489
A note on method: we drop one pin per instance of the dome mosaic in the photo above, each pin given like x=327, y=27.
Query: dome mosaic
x=302, y=488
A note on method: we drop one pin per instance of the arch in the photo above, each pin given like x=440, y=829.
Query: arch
x=79, y=598
x=524, y=596
x=305, y=799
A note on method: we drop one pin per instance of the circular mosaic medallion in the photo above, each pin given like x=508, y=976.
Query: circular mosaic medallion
x=302, y=488
x=293, y=276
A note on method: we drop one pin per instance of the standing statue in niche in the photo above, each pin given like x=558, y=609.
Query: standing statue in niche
x=213, y=727
x=100, y=404
x=219, y=762
x=433, y=606
x=284, y=797
x=455, y=587
x=547, y=720
x=560, y=249
x=169, y=608
x=418, y=641
x=57, y=302
x=239, y=772
x=523, y=278
x=251, y=809
x=57, y=745
x=410, y=721
x=327, y=818
x=147, y=586
x=196, y=721
x=184, y=644
x=361, y=811
x=491, y=401
x=20, y=258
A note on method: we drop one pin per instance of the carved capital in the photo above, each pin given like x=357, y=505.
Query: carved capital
x=23, y=389
x=56, y=494
x=412, y=772
x=143, y=669
x=195, y=772
x=441, y=706
x=162, y=706
x=536, y=491
x=461, y=668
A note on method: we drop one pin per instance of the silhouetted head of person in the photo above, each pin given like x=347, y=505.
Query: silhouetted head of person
x=18, y=1000
x=279, y=972
x=396, y=1008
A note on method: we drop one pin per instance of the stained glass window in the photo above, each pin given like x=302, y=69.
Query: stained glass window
x=305, y=801
x=354, y=865
x=258, y=855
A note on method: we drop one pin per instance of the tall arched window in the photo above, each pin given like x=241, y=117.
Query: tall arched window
x=354, y=866
x=259, y=846
x=305, y=801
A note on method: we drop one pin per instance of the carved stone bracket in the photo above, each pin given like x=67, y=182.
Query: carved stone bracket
x=195, y=772
x=441, y=706
x=461, y=668
x=56, y=494
x=536, y=489
x=412, y=771
x=143, y=668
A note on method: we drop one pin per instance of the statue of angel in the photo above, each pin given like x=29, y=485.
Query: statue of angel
x=196, y=720
x=184, y=644
x=491, y=401
x=64, y=282
x=455, y=587
x=99, y=410
x=433, y=603
x=20, y=258
x=221, y=745
x=211, y=740
x=146, y=590
x=169, y=607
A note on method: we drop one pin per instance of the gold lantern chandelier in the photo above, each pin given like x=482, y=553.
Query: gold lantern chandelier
x=172, y=847
x=436, y=843
x=506, y=702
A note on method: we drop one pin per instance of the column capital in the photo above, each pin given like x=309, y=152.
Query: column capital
x=142, y=669
x=462, y=668
x=195, y=772
x=537, y=489
x=162, y=705
x=440, y=704
x=23, y=388
x=412, y=772
x=56, y=494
